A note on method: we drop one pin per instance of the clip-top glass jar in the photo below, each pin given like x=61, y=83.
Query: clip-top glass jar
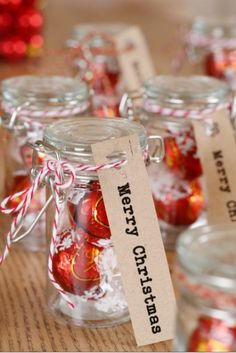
x=84, y=262
x=164, y=110
x=29, y=103
x=212, y=42
x=94, y=59
x=206, y=278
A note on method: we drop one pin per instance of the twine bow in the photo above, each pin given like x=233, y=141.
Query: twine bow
x=51, y=169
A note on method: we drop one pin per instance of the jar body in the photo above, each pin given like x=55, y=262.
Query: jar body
x=35, y=102
x=94, y=60
x=201, y=327
x=177, y=182
x=84, y=263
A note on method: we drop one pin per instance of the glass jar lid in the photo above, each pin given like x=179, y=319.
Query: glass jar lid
x=214, y=27
x=190, y=92
x=207, y=254
x=73, y=138
x=98, y=29
x=50, y=91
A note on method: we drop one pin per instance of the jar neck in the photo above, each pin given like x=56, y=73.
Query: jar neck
x=150, y=104
x=39, y=109
x=35, y=115
x=180, y=114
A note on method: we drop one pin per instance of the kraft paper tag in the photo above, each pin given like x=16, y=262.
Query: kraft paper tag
x=136, y=63
x=217, y=150
x=137, y=240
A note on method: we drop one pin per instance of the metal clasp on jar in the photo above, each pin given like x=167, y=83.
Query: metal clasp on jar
x=12, y=123
x=157, y=150
x=127, y=110
x=127, y=104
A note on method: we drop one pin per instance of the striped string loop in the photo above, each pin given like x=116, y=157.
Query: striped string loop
x=63, y=175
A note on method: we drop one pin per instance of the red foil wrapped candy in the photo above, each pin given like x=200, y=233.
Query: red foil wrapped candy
x=74, y=264
x=212, y=335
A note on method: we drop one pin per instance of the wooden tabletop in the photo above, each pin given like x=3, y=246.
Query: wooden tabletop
x=25, y=324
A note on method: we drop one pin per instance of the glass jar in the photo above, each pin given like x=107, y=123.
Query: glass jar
x=212, y=41
x=29, y=103
x=94, y=60
x=84, y=263
x=206, y=279
x=176, y=183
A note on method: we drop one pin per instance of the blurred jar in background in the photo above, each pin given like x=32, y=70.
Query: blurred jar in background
x=166, y=106
x=206, y=279
x=29, y=104
x=93, y=57
x=212, y=41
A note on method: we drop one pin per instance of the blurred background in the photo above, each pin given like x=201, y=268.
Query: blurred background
x=161, y=21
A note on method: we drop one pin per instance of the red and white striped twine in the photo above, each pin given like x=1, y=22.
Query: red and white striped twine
x=219, y=298
x=183, y=113
x=26, y=115
x=56, y=169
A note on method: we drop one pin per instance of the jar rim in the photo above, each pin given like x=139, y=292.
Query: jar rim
x=214, y=27
x=84, y=29
x=183, y=90
x=73, y=138
x=207, y=253
x=46, y=90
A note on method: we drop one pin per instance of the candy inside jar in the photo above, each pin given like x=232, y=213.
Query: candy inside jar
x=205, y=275
x=212, y=335
x=82, y=262
x=93, y=57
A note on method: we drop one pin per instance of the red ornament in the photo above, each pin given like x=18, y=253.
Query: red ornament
x=6, y=21
x=180, y=154
x=90, y=215
x=217, y=63
x=29, y=22
x=13, y=48
x=74, y=264
x=178, y=202
x=212, y=335
x=20, y=27
x=11, y=5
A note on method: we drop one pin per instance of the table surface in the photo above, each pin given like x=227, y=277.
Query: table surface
x=24, y=323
